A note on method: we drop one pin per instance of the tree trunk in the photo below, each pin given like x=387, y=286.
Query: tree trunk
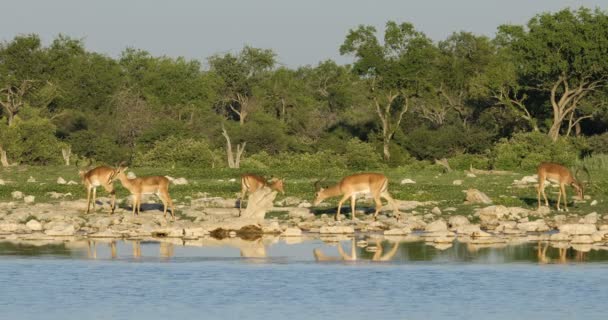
x=233, y=162
x=387, y=152
x=3, y=158
x=67, y=153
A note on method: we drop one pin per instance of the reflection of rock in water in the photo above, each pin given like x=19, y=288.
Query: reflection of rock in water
x=352, y=256
x=249, y=232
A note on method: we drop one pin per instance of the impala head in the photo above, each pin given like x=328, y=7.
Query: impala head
x=120, y=169
x=578, y=187
x=277, y=184
x=319, y=194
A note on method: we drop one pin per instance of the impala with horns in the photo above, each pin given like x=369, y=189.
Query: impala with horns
x=93, y=178
x=561, y=175
x=251, y=182
x=357, y=184
x=157, y=185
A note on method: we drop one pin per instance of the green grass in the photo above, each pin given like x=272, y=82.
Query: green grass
x=431, y=185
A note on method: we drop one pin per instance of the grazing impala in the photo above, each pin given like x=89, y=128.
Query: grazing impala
x=351, y=186
x=94, y=178
x=157, y=185
x=560, y=174
x=251, y=182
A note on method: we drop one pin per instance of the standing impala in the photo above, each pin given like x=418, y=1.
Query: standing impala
x=157, y=185
x=251, y=182
x=560, y=174
x=353, y=185
x=94, y=178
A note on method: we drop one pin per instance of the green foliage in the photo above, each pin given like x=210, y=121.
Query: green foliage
x=306, y=163
x=598, y=143
x=361, y=156
x=524, y=151
x=465, y=161
x=446, y=141
x=99, y=147
x=177, y=152
x=31, y=142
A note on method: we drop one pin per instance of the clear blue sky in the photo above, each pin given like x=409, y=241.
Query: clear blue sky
x=300, y=32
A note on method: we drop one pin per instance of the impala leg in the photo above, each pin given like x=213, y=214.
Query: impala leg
x=346, y=196
x=378, y=205
x=559, y=197
x=94, y=198
x=545, y=195
x=563, y=187
x=353, y=201
x=538, y=191
x=393, y=204
x=134, y=203
x=139, y=204
x=88, y=199
x=243, y=192
x=110, y=190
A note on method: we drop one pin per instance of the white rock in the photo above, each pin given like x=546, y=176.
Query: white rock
x=303, y=213
x=590, y=218
x=561, y=236
x=292, y=232
x=180, y=181
x=29, y=199
x=59, y=228
x=578, y=228
x=468, y=229
x=436, y=211
x=34, y=225
x=17, y=195
x=131, y=175
x=61, y=180
x=600, y=236
x=471, y=175
x=31, y=179
x=457, y=221
x=476, y=196
x=436, y=226
x=232, y=180
x=336, y=230
x=408, y=181
x=398, y=231
x=443, y=239
x=533, y=226
x=457, y=182
x=305, y=204
x=594, y=203
x=582, y=239
x=2, y=182
x=71, y=182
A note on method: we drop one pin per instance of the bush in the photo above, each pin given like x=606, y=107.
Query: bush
x=31, y=141
x=306, y=163
x=526, y=150
x=102, y=148
x=464, y=162
x=179, y=152
x=598, y=143
x=361, y=156
x=447, y=141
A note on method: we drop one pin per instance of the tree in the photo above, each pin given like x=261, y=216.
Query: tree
x=563, y=55
x=240, y=73
x=394, y=70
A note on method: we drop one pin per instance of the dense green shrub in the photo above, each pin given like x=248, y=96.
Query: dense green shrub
x=446, y=141
x=465, y=161
x=526, y=150
x=598, y=143
x=361, y=156
x=99, y=147
x=31, y=141
x=179, y=152
x=296, y=162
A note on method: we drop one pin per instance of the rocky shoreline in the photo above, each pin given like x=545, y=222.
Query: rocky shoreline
x=217, y=217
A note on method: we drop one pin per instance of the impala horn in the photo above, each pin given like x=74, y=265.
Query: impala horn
x=317, y=184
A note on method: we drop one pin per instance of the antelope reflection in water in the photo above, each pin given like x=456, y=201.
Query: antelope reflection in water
x=378, y=255
x=563, y=249
x=92, y=249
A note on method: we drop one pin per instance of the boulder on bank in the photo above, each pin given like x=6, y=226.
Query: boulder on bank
x=476, y=196
x=578, y=228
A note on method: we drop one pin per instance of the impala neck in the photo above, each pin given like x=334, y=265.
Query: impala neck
x=331, y=192
x=126, y=182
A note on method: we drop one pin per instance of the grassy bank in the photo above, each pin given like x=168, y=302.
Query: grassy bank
x=431, y=185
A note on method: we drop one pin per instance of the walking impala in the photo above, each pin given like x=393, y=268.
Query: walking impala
x=251, y=182
x=353, y=185
x=94, y=178
x=157, y=185
x=560, y=174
